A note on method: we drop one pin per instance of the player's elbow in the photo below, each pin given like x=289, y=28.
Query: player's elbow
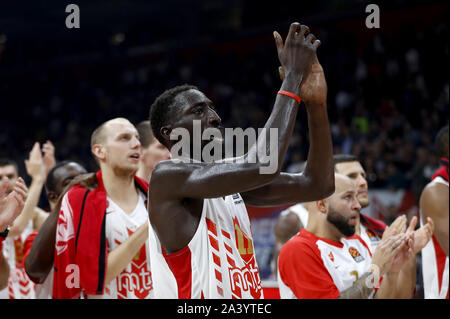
x=34, y=272
x=322, y=188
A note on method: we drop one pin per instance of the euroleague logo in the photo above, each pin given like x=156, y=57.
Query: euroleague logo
x=355, y=254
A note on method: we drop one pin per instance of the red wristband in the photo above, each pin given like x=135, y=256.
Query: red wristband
x=292, y=95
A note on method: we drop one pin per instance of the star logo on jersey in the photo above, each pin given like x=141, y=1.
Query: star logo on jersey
x=331, y=256
x=355, y=254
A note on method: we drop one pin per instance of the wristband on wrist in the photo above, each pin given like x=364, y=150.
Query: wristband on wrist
x=291, y=95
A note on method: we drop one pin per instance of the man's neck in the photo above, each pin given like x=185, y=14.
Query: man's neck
x=144, y=172
x=119, y=187
x=323, y=229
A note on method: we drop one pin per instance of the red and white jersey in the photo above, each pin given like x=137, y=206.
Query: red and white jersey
x=311, y=267
x=19, y=284
x=135, y=281
x=370, y=238
x=435, y=264
x=219, y=261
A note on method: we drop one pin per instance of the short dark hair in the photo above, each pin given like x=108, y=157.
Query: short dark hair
x=146, y=136
x=441, y=142
x=344, y=158
x=50, y=182
x=160, y=110
x=7, y=161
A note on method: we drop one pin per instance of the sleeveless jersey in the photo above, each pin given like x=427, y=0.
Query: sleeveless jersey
x=435, y=263
x=19, y=284
x=135, y=281
x=219, y=261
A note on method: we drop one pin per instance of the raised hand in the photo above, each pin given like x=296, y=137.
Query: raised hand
x=387, y=251
x=422, y=235
x=314, y=89
x=398, y=226
x=11, y=205
x=34, y=164
x=49, y=156
x=297, y=53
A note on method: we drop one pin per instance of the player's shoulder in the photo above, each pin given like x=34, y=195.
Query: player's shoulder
x=302, y=243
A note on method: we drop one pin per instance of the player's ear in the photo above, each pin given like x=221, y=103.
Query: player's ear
x=165, y=131
x=322, y=206
x=52, y=197
x=99, y=151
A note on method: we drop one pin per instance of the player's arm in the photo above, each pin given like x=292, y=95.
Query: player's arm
x=122, y=255
x=434, y=204
x=382, y=261
x=4, y=270
x=36, y=169
x=40, y=259
x=11, y=205
x=317, y=180
x=205, y=180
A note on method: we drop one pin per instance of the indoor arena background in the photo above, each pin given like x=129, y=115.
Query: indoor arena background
x=388, y=91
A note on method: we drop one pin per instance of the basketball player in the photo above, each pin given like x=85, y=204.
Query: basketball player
x=328, y=260
x=10, y=207
x=39, y=246
x=369, y=229
x=202, y=245
x=101, y=234
x=434, y=204
x=152, y=151
x=11, y=203
x=32, y=217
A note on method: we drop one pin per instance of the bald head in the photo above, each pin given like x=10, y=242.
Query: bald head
x=102, y=132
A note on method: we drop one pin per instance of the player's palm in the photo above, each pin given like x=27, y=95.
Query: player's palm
x=314, y=88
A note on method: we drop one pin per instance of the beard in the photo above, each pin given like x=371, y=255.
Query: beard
x=340, y=222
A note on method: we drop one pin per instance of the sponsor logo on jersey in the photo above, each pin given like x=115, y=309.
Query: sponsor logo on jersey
x=355, y=254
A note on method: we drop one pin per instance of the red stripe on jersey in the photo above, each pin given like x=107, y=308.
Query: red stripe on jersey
x=180, y=265
x=227, y=235
x=440, y=261
x=213, y=242
x=218, y=275
x=211, y=226
x=230, y=250
x=231, y=261
x=220, y=291
x=216, y=259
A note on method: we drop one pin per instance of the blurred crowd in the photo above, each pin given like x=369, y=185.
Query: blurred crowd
x=388, y=93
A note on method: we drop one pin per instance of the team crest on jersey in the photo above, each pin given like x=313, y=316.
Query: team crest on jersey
x=355, y=254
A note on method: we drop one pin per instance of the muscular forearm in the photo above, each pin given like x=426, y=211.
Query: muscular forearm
x=319, y=169
x=281, y=119
x=121, y=256
x=406, y=282
x=359, y=289
x=4, y=272
x=40, y=259
x=28, y=212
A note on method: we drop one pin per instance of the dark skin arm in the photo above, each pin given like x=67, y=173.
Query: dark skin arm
x=40, y=259
x=434, y=204
x=317, y=180
x=182, y=205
